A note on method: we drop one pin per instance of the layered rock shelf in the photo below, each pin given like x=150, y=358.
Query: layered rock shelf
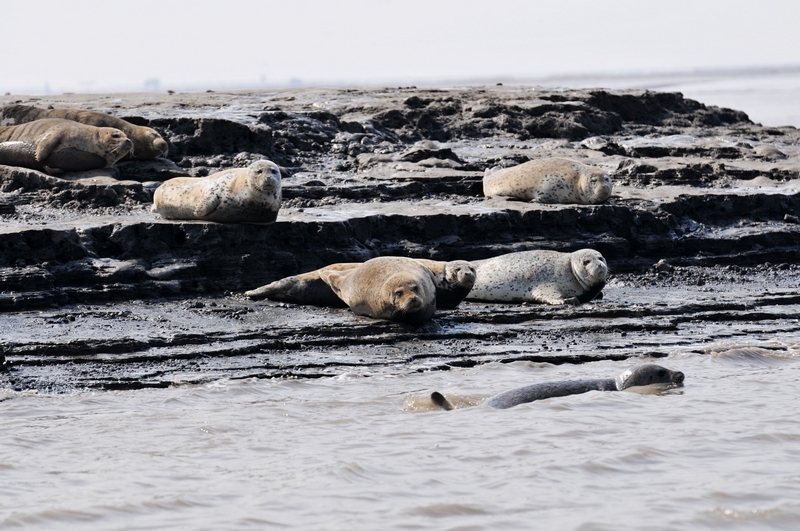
x=87, y=271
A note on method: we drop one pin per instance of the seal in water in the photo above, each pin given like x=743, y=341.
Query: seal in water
x=550, y=180
x=549, y=277
x=147, y=142
x=647, y=374
x=453, y=282
x=251, y=194
x=56, y=146
x=388, y=287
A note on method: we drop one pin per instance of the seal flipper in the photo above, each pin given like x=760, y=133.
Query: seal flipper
x=210, y=202
x=439, y=399
x=550, y=294
x=46, y=145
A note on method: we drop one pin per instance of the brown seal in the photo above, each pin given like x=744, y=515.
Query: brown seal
x=550, y=180
x=251, y=194
x=453, y=281
x=147, y=143
x=548, y=277
x=56, y=146
x=388, y=287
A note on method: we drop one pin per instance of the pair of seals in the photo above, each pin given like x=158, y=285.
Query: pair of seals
x=147, y=143
x=548, y=277
x=55, y=146
x=647, y=374
x=551, y=180
x=389, y=287
x=453, y=282
x=251, y=194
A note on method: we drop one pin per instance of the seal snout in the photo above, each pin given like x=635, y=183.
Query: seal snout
x=678, y=376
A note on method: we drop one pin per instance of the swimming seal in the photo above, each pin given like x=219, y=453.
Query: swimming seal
x=549, y=277
x=55, y=146
x=647, y=374
x=251, y=194
x=147, y=142
x=388, y=287
x=550, y=180
x=453, y=282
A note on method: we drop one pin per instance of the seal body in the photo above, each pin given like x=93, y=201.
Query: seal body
x=389, y=287
x=647, y=374
x=453, y=280
x=251, y=194
x=147, y=142
x=55, y=146
x=548, y=277
x=550, y=180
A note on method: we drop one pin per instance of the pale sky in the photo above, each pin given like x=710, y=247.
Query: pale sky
x=98, y=45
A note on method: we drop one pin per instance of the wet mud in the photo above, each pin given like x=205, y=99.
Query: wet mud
x=701, y=234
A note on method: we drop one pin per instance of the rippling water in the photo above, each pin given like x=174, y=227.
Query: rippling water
x=371, y=453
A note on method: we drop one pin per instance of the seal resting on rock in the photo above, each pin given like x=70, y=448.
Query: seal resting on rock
x=147, y=142
x=388, y=287
x=550, y=180
x=56, y=146
x=251, y=194
x=453, y=281
x=647, y=374
x=548, y=277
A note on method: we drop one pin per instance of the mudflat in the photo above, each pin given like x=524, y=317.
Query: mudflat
x=701, y=233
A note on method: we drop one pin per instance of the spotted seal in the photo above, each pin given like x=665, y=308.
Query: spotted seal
x=251, y=194
x=550, y=180
x=453, y=281
x=147, y=142
x=549, y=277
x=55, y=146
x=646, y=374
x=387, y=287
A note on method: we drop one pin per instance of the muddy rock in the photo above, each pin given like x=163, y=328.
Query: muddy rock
x=702, y=199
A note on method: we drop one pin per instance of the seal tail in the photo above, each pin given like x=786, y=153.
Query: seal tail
x=439, y=399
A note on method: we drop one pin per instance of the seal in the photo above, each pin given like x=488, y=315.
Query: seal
x=548, y=277
x=453, y=281
x=388, y=287
x=147, y=142
x=251, y=194
x=550, y=180
x=647, y=374
x=55, y=146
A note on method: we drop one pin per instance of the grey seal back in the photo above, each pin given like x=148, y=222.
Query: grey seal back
x=646, y=374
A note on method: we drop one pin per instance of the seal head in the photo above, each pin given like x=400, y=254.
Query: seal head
x=590, y=270
x=649, y=374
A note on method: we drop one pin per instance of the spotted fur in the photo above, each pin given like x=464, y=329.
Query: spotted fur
x=251, y=194
x=548, y=277
x=551, y=180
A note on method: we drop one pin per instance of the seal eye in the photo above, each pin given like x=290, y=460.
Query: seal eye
x=662, y=373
